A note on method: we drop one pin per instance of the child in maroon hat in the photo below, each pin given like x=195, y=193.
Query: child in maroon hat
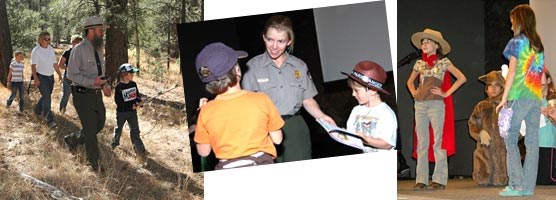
x=372, y=119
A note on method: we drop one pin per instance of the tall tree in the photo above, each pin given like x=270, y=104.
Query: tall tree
x=5, y=43
x=134, y=13
x=116, y=36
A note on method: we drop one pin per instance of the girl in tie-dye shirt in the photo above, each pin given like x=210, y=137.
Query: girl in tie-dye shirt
x=526, y=66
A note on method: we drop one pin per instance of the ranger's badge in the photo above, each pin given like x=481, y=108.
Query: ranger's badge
x=297, y=74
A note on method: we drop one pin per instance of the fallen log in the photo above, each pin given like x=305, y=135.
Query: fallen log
x=53, y=191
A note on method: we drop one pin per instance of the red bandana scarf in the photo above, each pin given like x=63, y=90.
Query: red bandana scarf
x=429, y=59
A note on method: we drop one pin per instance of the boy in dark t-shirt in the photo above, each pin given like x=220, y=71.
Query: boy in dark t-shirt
x=127, y=101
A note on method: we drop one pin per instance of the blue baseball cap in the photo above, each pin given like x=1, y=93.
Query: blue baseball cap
x=216, y=60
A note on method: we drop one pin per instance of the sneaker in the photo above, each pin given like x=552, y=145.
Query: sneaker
x=527, y=192
x=420, y=186
x=436, y=186
x=62, y=110
x=509, y=192
x=69, y=142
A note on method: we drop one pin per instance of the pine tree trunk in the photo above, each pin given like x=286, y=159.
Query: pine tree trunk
x=5, y=43
x=116, y=36
x=137, y=37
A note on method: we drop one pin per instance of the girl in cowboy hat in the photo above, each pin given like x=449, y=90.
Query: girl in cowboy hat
x=372, y=119
x=523, y=95
x=429, y=104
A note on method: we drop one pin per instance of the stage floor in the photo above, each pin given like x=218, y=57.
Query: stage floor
x=467, y=189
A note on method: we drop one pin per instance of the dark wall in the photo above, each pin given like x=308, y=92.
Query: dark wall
x=498, y=31
x=478, y=31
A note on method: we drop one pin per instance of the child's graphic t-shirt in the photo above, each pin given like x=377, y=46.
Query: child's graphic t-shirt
x=126, y=95
x=378, y=122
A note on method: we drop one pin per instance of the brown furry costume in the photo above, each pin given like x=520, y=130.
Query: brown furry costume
x=489, y=161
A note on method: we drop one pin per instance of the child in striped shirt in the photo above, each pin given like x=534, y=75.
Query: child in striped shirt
x=15, y=79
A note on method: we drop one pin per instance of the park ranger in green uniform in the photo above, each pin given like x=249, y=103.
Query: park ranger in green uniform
x=86, y=68
x=286, y=80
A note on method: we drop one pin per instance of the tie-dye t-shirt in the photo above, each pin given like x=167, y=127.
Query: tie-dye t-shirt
x=529, y=69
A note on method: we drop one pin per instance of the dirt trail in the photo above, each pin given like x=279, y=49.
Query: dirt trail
x=28, y=146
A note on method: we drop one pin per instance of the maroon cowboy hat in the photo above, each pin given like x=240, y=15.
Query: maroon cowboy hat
x=369, y=74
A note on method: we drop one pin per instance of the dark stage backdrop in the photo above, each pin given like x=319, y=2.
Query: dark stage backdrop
x=477, y=30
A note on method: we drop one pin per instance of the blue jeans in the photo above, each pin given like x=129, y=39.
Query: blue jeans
x=131, y=118
x=65, y=92
x=523, y=177
x=17, y=86
x=43, y=105
x=431, y=111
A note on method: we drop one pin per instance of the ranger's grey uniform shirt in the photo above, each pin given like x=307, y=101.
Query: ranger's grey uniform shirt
x=287, y=86
x=82, y=65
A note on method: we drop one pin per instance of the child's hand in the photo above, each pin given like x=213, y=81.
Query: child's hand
x=203, y=101
x=437, y=91
x=416, y=92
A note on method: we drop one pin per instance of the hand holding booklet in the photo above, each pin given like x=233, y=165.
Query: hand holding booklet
x=342, y=135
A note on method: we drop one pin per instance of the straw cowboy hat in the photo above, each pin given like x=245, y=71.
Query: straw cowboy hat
x=94, y=22
x=369, y=74
x=433, y=35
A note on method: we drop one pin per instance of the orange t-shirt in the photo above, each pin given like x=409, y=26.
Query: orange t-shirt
x=237, y=124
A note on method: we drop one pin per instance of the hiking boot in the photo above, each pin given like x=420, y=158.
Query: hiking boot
x=147, y=153
x=142, y=158
x=436, y=186
x=96, y=168
x=72, y=146
x=52, y=124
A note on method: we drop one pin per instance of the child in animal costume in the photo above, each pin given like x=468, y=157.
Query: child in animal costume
x=489, y=157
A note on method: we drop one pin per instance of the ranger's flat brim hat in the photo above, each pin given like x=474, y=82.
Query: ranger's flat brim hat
x=369, y=74
x=433, y=35
x=95, y=22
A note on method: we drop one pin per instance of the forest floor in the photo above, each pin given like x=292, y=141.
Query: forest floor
x=28, y=146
